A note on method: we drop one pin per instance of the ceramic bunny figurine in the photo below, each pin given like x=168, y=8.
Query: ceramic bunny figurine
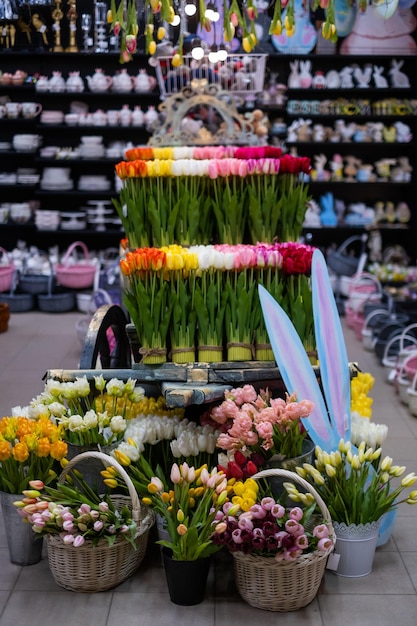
x=294, y=77
x=398, y=79
x=379, y=80
x=305, y=77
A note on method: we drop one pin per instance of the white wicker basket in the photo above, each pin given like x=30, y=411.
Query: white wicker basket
x=91, y=568
x=239, y=74
x=368, y=337
x=363, y=288
x=274, y=585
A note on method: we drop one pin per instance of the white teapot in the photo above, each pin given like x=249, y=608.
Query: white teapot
x=56, y=83
x=144, y=82
x=138, y=116
x=99, y=81
x=75, y=83
x=123, y=82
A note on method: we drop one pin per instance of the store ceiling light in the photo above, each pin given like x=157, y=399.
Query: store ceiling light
x=213, y=56
x=197, y=52
x=190, y=9
x=211, y=12
x=176, y=20
x=222, y=53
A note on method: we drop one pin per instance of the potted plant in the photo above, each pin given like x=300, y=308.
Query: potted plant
x=28, y=449
x=188, y=500
x=359, y=489
x=279, y=553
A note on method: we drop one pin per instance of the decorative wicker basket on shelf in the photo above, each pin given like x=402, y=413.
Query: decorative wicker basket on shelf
x=91, y=568
x=271, y=585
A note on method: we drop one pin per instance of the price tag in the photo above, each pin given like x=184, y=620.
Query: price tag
x=333, y=561
x=73, y=27
x=42, y=28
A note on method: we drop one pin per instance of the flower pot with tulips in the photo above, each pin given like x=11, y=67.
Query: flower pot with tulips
x=359, y=489
x=28, y=449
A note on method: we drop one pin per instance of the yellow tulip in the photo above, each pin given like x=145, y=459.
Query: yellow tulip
x=180, y=515
x=176, y=60
x=409, y=480
x=160, y=33
x=110, y=482
x=247, y=44
x=151, y=47
x=147, y=501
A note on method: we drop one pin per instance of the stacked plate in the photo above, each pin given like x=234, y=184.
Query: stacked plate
x=92, y=147
x=27, y=176
x=93, y=183
x=52, y=117
x=54, y=178
x=73, y=221
x=8, y=178
x=5, y=145
x=26, y=143
x=47, y=220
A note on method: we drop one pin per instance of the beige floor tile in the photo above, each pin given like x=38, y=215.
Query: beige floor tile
x=46, y=608
x=368, y=610
x=150, y=609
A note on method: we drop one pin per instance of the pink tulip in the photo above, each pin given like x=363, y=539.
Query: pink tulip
x=175, y=474
x=324, y=544
x=321, y=531
x=79, y=541
x=296, y=514
x=68, y=539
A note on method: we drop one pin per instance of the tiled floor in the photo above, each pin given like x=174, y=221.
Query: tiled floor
x=36, y=342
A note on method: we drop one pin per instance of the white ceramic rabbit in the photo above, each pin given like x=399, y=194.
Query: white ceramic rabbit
x=305, y=78
x=294, y=77
x=380, y=81
x=398, y=79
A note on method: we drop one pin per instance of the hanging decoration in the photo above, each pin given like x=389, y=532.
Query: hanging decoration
x=236, y=16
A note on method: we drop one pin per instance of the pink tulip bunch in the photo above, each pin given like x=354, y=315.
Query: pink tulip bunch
x=68, y=512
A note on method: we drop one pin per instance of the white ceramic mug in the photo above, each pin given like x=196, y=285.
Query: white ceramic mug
x=13, y=109
x=31, y=109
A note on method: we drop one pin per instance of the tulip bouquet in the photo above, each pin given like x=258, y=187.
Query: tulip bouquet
x=257, y=525
x=357, y=486
x=189, y=508
x=75, y=516
x=161, y=198
x=153, y=440
x=29, y=449
x=86, y=413
x=207, y=295
x=256, y=422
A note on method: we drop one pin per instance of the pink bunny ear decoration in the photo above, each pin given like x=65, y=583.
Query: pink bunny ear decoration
x=331, y=348
x=296, y=370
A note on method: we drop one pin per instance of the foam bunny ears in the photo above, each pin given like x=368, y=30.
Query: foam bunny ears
x=330, y=419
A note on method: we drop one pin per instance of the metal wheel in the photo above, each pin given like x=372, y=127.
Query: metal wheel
x=106, y=345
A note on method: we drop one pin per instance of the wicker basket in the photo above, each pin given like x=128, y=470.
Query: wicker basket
x=6, y=273
x=274, y=585
x=373, y=320
x=76, y=275
x=91, y=568
x=363, y=288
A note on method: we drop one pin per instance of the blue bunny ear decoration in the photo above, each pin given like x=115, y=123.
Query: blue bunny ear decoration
x=331, y=348
x=296, y=370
